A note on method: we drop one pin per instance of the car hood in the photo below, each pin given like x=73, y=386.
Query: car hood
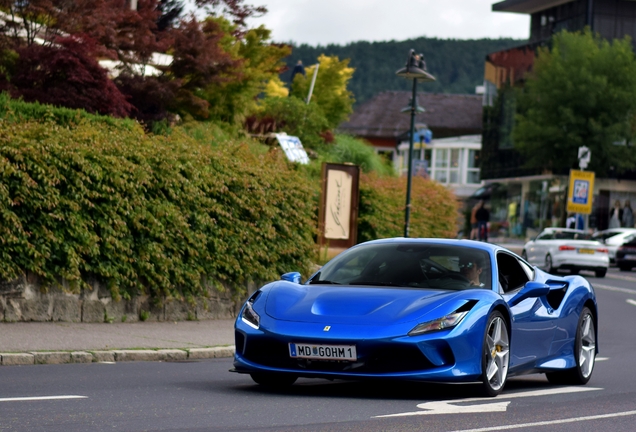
x=352, y=305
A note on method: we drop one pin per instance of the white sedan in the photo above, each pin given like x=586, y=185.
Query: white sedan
x=613, y=238
x=569, y=249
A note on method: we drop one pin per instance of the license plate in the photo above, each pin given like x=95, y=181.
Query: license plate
x=586, y=251
x=323, y=352
x=630, y=257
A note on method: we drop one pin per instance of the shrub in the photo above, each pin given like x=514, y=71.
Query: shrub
x=17, y=110
x=356, y=151
x=292, y=116
x=382, y=203
x=157, y=215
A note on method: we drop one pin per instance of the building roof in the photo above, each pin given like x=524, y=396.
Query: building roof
x=526, y=6
x=446, y=115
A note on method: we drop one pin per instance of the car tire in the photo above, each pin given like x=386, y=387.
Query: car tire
x=274, y=380
x=548, y=264
x=600, y=273
x=624, y=268
x=584, y=354
x=495, y=355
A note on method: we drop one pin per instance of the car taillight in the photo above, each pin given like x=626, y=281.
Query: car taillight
x=602, y=250
x=564, y=248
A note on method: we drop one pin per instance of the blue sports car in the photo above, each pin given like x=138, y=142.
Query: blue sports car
x=420, y=309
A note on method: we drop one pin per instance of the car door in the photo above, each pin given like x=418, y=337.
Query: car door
x=533, y=324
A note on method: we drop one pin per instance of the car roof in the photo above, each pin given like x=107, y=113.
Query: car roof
x=618, y=230
x=553, y=229
x=488, y=247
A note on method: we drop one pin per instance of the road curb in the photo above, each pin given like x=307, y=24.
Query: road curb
x=110, y=356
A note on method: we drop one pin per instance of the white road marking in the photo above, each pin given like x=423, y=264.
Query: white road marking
x=613, y=288
x=550, y=422
x=39, y=398
x=631, y=302
x=450, y=407
x=598, y=359
x=621, y=277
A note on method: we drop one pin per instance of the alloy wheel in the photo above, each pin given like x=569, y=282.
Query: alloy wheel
x=496, y=355
x=587, y=346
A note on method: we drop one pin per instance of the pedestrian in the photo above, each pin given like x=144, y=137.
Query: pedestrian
x=616, y=214
x=570, y=222
x=483, y=217
x=298, y=69
x=473, y=220
x=628, y=215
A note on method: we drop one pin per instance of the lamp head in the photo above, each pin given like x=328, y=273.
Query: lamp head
x=415, y=68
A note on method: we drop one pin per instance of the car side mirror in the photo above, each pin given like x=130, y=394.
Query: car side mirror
x=293, y=277
x=530, y=290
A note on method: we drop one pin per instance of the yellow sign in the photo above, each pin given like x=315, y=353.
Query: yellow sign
x=580, y=193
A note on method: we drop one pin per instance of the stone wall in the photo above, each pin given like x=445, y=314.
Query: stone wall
x=25, y=299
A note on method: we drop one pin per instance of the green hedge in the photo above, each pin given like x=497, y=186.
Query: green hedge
x=16, y=110
x=382, y=202
x=147, y=214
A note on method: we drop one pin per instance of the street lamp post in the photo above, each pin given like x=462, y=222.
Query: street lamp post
x=415, y=69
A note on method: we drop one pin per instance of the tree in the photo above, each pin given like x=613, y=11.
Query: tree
x=170, y=10
x=330, y=91
x=582, y=92
x=66, y=74
x=200, y=61
x=259, y=62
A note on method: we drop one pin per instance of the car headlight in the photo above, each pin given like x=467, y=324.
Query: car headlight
x=443, y=323
x=249, y=315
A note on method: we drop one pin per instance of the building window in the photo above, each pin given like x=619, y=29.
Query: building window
x=447, y=166
x=472, y=172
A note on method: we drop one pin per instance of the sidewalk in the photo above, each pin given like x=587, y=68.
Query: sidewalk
x=63, y=342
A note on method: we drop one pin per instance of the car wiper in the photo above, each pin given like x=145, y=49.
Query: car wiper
x=324, y=282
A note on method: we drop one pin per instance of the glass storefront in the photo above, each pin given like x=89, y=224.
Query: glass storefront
x=521, y=210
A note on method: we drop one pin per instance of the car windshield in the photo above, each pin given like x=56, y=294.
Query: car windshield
x=409, y=264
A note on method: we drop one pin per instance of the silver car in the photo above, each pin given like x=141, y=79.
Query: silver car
x=613, y=238
x=568, y=249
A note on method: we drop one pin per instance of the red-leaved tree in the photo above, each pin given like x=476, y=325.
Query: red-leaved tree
x=68, y=75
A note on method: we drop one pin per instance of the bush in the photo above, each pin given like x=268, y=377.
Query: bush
x=292, y=116
x=16, y=110
x=356, y=151
x=382, y=202
x=147, y=214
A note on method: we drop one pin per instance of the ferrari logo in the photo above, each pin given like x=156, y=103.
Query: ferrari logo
x=327, y=328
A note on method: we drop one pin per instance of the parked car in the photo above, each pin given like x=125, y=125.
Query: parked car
x=613, y=238
x=420, y=309
x=568, y=249
x=626, y=254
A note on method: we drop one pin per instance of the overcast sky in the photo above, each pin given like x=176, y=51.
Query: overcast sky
x=321, y=22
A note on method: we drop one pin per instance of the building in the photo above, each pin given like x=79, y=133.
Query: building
x=538, y=198
x=453, y=162
x=455, y=120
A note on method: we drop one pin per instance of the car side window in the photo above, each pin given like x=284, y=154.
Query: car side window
x=546, y=236
x=511, y=273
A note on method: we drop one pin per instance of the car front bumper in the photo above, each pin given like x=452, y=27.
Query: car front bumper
x=448, y=355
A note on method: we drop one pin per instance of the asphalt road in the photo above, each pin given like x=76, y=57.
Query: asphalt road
x=204, y=396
